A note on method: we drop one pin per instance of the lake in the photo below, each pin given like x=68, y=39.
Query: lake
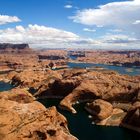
x=5, y=86
x=120, y=69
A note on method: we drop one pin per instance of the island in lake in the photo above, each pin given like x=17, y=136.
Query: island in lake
x=59, y=94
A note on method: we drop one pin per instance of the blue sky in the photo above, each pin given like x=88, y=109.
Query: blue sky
x=82, y=23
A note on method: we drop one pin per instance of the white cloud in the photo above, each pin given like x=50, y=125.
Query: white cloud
x=116, y=14
x=120, y=38
x=4, y=19
x=115, y=30
x=68, y=6
x=42, y=36
x=89, y=30
x=100, y=26
x=119, y=41
x=136, y=22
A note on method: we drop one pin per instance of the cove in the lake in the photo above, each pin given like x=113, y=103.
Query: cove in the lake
x=81, y=126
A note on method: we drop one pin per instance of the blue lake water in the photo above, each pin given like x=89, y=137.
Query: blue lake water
x=5, y=86
x=120, y=69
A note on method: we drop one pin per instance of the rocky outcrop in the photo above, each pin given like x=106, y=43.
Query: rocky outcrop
x=30, y=120
x=32, y=79
x=103, y=113
x=115, y=119
x=109, y=94
x=17, y=95
x=79, y=85
x=105, y=85
x=111, y=98
x=53, y=88
x=132, y=119
x=86, y=91
x=100, y=109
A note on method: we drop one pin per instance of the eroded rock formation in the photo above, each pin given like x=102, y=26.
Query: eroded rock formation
x=100, y=109
x=24, y=119
x=106, y=85
x=112, y=90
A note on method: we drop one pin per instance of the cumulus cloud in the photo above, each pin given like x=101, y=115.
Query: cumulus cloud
x=115, y=13
x=123, y=15
x=4, y=19
x=136, y=22
x=115, y=30
x=35, y=33
x=68, y=6
x=119, y=39
x=43, y=36
x=89, y=30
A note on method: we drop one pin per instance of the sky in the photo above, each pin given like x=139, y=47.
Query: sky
x=88, y=24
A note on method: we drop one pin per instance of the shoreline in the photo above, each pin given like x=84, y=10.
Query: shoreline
x=109, y=64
